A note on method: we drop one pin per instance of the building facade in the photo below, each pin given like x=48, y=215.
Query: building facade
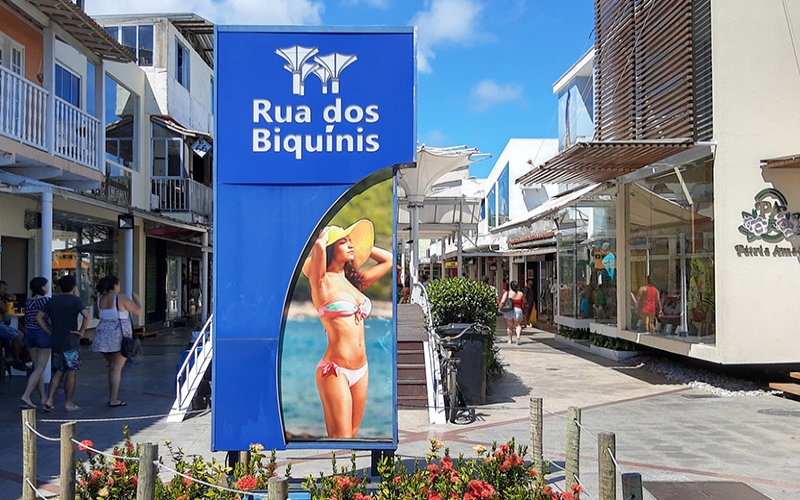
x=83, y=140
x=695, y=177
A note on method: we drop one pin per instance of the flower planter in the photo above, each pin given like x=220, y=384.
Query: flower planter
x=612, y=354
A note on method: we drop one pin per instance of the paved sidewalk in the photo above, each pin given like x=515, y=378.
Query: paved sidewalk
x=664, y=431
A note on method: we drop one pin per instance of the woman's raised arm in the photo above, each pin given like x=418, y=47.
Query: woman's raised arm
x=385, y=261
x=316, y=270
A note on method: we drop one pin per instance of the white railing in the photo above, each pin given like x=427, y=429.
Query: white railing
x=76, y=134
x=182, y=195
x=433, y=373
x=191, y=373
x=22, y=109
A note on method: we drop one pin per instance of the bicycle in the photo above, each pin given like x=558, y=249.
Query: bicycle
x=456, y=409
x=446, y=385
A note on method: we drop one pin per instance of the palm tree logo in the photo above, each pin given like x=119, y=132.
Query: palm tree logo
x=327, y=68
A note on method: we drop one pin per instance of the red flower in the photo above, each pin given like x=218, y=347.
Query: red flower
x=504, y=447
x=434, y=496
x=186, y=481
x=505, y=465
x=135, y=481
x=533, y=473
x=119, y=467
x=479, y=489
x=397, y=480
x=246, y=483
x=433, y=468
x=129, y=445
x=567, y=495
x=85, y=445
x=82, y=483
x=576, y=488
x=96, y=474
x=447, y=463
x=359, y=496
x=344, y=482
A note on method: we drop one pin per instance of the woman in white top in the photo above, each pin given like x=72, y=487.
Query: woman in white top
x=113, y=310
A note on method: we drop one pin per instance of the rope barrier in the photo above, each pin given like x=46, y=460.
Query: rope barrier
x=551, y=462
x=555, y=414
x=245, y=494
x=115, y=419
x=584, y=429
x=109, y=455
x=584, y=487
x=614, y=459
x=46, y=438
x=39, y=494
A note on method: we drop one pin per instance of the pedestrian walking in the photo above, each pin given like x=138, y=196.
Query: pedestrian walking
x=37, y=340
x=63, y=311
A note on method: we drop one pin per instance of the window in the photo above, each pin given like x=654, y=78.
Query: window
x=167, y=153
x=12, y=55
x=68, y=86
x=182, y=64
x=138, y=39
x=121, y=106
x=490, y=203
x=502, y=197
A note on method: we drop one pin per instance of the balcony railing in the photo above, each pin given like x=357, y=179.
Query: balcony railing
x=22, y=109
x=181, y=195
x=23, y=117
x=76, y=134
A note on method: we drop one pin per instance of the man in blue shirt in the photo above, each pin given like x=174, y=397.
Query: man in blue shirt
x=63, y=327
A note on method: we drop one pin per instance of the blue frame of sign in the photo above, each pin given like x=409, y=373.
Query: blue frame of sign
x=306, y=119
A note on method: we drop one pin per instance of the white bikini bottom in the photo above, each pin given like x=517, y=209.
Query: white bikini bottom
x=352, y=376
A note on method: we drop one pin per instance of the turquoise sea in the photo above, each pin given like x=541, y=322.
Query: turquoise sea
x=304, y=343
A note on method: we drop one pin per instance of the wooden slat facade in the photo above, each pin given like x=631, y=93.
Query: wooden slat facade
x=652, y=84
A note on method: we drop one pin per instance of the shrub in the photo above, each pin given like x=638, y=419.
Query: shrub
x=612, y=343
x=465, y=300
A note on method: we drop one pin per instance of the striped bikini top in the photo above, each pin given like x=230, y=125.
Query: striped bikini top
x=339, y=308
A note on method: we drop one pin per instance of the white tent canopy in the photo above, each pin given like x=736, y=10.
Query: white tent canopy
x=437, y=214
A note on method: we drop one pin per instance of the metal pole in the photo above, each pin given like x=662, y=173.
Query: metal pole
x=414, y=213
x=460, y=241
x=47, y=236
x=206, y=293
x=128, y=259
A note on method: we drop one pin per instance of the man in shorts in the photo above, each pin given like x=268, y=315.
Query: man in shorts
x=63, y=310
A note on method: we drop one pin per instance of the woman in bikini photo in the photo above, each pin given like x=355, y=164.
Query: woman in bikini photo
x=337, y=282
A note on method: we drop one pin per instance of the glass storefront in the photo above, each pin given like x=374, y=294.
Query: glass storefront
x=671, y=242
x=587, y=278
x=84, y=248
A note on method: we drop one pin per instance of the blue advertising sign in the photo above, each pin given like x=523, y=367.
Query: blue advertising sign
x=309, y=123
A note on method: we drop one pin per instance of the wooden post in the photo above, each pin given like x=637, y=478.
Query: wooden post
x=28, y=454
x=244, y=459
x=632, y=486
x=607, y=472
x=572, y=465
x=146, y=489
x=537, y=453
x=68, y=461
x=278, y=488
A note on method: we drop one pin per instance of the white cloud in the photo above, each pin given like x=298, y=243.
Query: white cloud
x=378, y=4
x=435, y=138
x=446, y=22
x=488, y=94
x=221, y=12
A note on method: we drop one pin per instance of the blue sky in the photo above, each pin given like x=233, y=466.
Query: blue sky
x=485, y=67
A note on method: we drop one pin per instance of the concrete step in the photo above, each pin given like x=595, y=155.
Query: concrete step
x=786, y=387
x=413, y=371
x=412, y=401
x=411, y=356
x=412, y=388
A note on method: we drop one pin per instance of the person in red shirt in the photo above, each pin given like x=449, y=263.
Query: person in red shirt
x=649, y=305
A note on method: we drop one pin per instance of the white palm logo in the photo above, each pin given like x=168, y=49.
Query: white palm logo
x=327, y=67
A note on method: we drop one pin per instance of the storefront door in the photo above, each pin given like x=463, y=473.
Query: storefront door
x=174, y=287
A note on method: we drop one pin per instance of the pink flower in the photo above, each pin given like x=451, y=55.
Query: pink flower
x=85, y=445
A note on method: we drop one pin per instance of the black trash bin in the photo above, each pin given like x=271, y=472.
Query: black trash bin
x=472, y=375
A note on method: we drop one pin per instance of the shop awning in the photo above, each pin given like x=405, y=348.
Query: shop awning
x=602, y=161
x=792, y=161
x=84, y=29
x=551, y=206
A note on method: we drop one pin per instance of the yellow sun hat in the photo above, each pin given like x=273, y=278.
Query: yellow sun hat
x=362, y=235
